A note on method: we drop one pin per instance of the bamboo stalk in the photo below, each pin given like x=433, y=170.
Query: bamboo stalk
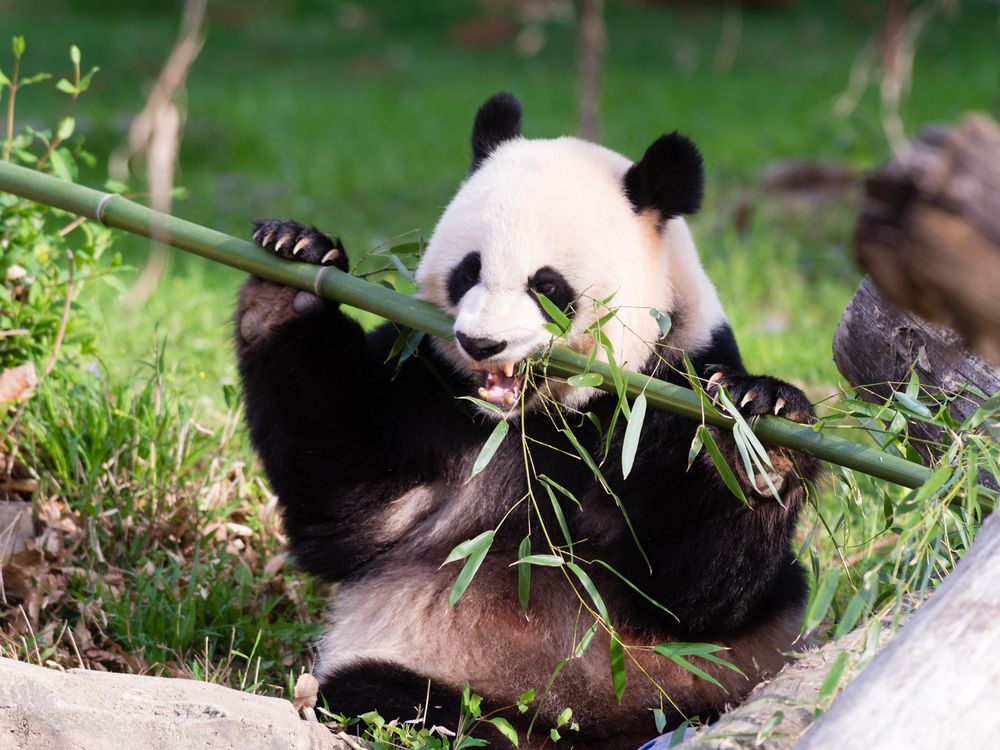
x=331, y=283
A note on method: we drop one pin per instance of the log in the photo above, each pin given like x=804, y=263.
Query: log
x=84, y=710
x=934, y=684
x=876, y=345
x=929, y=231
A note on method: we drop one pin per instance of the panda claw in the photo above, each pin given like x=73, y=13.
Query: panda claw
x=330, y=256
x=748, y=398
x=779, y=405
x=715, y=380
x=282, y=241
x=268, y=239
x=299, y=245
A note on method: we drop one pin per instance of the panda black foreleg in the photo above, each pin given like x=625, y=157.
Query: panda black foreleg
x=323, y=407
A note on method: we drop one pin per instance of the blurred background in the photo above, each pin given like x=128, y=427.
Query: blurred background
x=356, y=116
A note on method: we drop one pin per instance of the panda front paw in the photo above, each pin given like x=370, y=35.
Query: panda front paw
x=289, y=239
x=756, y=395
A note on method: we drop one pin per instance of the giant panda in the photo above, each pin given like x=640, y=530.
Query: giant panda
x=371, y=458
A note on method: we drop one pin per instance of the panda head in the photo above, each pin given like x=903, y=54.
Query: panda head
x=570, y=220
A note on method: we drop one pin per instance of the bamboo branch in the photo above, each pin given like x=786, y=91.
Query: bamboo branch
x=331, y=283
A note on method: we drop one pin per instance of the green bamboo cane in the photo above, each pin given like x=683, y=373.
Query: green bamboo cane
x=328, y=282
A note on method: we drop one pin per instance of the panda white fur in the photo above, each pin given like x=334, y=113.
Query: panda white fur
x=371, y=461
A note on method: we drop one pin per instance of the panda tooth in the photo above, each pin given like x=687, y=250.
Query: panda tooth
x=484, y=394
x=508, y=369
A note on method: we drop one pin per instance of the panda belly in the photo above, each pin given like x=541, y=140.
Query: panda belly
x=409, y=632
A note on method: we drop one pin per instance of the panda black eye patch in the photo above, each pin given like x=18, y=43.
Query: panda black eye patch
x=549, y=282
x=463, y=277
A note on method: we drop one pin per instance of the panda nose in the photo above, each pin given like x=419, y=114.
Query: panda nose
x=480, y=348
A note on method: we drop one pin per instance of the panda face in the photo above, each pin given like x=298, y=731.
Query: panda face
x=557, y=218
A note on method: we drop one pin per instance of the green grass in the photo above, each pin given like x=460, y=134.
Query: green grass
x=164, y=520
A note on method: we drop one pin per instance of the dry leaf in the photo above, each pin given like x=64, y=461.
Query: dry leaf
x=18, y=383
x=306, y=691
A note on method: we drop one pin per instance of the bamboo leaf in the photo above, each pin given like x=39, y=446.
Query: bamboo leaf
x=821, y=599
x=404, y=271
x=545, y=561
x=662, y=320
x=490, y=447
x=586, y=380
x=833, y=678
x=676, y=653
x=560, y=518
x=555, y=485
x=470, y=547
x=720, y=463
x=584, y=643
x=632, y=432
x=524, y=574
x=503, y=726
x=635, y=588
x=469, y=572
x=591, y=589
x=558, y=317
x=660, y=720
x=852, y=612
x=696, y=445
x=912, y=404
x=617, y=667
x=768, y=727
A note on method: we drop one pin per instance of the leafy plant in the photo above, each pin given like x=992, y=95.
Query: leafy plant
x=47, y=254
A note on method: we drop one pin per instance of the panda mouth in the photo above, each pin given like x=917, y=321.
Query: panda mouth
x=501, y=383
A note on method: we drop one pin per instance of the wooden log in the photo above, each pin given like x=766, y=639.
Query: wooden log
x=877, y=344
x=929, y=231
x=934, y=685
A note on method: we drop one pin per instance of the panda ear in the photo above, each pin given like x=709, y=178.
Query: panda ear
x=669, y=178
x=498, y=120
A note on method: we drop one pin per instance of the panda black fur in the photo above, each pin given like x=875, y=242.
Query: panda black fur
x=372, y=465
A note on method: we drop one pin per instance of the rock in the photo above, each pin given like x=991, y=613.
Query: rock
x=84, y=710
